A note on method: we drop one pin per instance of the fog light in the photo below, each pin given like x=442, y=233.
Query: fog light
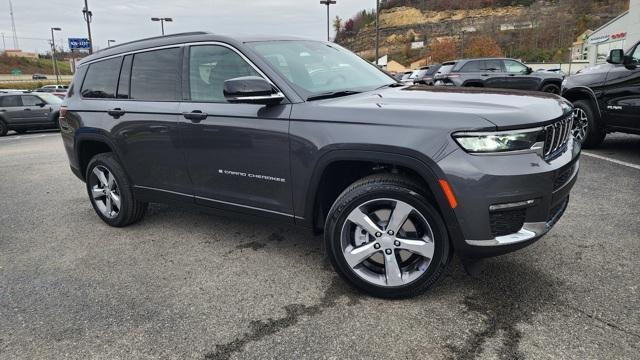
x=511, y=205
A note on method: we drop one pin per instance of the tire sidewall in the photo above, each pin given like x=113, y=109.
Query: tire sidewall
x=343, y=207
x=549, y=86
x=3, y=128
x=593, y=137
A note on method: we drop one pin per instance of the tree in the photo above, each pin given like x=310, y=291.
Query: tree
x=483, y=46
x=442, y=50
x=337, y=24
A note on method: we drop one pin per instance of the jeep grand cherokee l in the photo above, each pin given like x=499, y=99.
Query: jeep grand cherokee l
x=606, y=97
x=22, y=111
x=498, y=73
x=398, y=177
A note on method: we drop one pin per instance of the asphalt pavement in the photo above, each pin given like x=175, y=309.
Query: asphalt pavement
x=183, y=284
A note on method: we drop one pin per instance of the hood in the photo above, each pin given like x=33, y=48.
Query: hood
x=502, y=108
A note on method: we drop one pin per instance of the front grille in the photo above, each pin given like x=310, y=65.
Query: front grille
x=506, y=222
x=562, y=176
x=556, y=136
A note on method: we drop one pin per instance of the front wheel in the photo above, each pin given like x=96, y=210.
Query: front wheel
x=110, y=192
x=386, y=239
x=585, y=127
x=551, y=89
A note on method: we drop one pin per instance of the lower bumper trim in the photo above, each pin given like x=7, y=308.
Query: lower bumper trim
x=528, y=232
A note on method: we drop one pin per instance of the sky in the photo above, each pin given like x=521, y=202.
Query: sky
x=126, y=20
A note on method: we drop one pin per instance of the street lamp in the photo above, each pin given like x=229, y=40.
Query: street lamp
x=53, y=56
x=328, y=3
x=109, y=42
x=162, y=20
x=88, y=15
x=377, y=31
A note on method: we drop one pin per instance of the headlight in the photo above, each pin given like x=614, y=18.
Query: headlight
x=502, y=141
x=564, y=82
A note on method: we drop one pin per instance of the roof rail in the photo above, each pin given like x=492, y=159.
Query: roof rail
x=156, y=38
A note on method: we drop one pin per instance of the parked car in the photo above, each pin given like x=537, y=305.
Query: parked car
x=397, y=177
x=606, y=97
x=38, y=77
x=57, y=90
x=499, y=73
x=28, y=111
x=426, y=74
x=407, y=77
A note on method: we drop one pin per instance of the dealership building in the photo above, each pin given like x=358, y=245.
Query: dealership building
x=620, y=33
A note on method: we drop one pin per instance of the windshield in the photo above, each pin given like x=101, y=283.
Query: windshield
x=318, y=68
x=50, y=99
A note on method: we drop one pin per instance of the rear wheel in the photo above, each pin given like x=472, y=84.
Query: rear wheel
x=585, y=126
x=385, y=238
x=551, y=89
x=110, y=192
x=3, y=128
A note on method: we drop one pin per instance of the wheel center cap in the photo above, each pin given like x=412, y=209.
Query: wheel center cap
x=386, y=242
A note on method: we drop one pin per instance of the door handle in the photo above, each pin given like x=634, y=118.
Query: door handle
x=512, y=74
x=195, y=116
x=485, y=74
x=116, y=113
x=27, y=109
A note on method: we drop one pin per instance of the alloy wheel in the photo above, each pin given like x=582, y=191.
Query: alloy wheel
x=105, y=192
x=580, y=124
x=387, y=242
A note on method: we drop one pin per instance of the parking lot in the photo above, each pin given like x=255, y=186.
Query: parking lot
x=183, y=284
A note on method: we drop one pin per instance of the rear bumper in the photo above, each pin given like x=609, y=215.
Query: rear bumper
x=508, y=202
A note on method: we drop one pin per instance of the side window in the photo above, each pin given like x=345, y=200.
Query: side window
x=472, y=66
x=514, y=67
x=30, y=100
x=101, y=79
x=636, y=55
x=10, y=101
x=155, y=75
x=125, y=77
x=493, y=65
x=209, y=67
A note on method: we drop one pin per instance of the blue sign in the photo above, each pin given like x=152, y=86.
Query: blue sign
x=78, y=43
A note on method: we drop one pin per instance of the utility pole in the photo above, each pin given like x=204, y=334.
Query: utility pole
x=53, y=54
x=462, y=45
x=88, y=15
x=4, y=44
x=13, y=27
x=328, y=3
x=377, y=31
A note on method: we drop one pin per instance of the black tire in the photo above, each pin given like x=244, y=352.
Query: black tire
x=595, y=134
x=386, y=186
x=551, y=89
x=3, y=128
x=131, y=210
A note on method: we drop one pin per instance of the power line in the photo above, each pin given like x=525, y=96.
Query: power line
x=13, y=27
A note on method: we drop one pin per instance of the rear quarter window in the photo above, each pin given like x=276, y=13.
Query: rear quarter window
x=101, y=79
x=155, y=75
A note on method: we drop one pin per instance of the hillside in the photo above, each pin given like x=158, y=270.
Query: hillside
x=32, y=66
x=532, y=30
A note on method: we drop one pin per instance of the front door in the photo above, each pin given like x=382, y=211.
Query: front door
x=237, y=154
x=621, y=94
x=34, y=110
x=517, y=76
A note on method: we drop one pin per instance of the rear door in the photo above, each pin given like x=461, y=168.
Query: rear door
x=621, y=94
x=237, y=154
x=11, y=109
x=36, y=112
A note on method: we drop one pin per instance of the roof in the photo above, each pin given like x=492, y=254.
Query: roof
x=180, y=38
x=609, y=22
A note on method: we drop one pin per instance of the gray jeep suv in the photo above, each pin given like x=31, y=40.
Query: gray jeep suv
x=397, y=177
x=28, y=111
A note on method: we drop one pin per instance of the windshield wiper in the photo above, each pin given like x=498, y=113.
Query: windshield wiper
x=332, y=94
x=392, y=85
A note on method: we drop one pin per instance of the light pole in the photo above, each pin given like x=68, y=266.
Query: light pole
x=377, y=31
x=109, y=42
x=53, y=54
x=88, y=15
x=328, y=3
x=162, y=20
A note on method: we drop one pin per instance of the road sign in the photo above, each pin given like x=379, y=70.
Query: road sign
x=16, y=72
x=78, y=43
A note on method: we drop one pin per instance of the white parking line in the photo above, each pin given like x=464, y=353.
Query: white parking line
x=21, y=137
x=619, y=162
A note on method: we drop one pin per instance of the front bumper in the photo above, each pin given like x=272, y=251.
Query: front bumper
x=534, y=191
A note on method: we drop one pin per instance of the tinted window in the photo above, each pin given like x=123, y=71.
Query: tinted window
x=10, y=101
x=30, y=100
x=125, y=76
x=514, y=67
x=101, y=79
x=433, y=69
x=636, y=55
x=493, y=65
x=210, y=67
x=472, y=66
x=155, y=75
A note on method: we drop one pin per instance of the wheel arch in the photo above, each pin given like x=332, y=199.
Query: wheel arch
x=583, y=93
x=88, y=145
x=384, y=159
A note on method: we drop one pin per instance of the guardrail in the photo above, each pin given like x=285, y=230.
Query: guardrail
x=8, y=78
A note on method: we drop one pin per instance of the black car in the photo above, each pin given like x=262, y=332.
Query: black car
x=28, y=111
x=498, y=73
x=38, y=77
x=426, y=74
x=606, y=97
x=398, y=177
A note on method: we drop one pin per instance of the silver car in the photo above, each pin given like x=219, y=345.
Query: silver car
x=28, y=111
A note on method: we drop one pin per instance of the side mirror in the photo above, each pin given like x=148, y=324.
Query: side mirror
x=616, y=56
x=251, y=90
x=529, y=70
x=41, y=104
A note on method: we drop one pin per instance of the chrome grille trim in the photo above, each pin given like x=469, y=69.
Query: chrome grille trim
x=557, y=136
